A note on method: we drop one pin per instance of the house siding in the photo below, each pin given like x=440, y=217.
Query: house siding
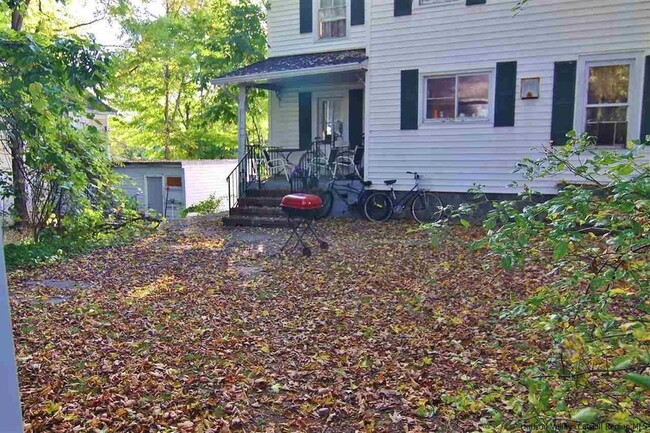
x=203, y=178
x=283, y=112
x=285, y=37
x=453, y=157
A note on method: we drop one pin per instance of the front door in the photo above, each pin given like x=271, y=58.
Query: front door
x=155, y=194
x=331, y=125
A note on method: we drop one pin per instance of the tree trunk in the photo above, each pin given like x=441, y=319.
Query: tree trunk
x=19, y=182
x=167, y=125
x=17, y=146
x=17, y=16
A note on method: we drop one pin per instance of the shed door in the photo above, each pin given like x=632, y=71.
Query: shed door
x=155, y=194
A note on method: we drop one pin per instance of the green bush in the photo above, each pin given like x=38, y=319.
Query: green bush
x=204, y=207
x=51, y=248
x=595, y=306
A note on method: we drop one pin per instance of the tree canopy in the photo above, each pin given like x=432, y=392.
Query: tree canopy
x=162, y=86
x=59, y=164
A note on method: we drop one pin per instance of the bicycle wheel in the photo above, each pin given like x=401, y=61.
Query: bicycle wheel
x=427, y=208
x=378, y=207
x=328, y=202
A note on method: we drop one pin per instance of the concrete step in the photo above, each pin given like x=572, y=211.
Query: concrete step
x=267, y=192
x=260, y=201
x=254, y=221
x=260, y=211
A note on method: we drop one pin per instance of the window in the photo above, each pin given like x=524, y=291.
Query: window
x=436, y=2
x=607, y=107
x=332, y=19
x=330, y=119
x=458, y=97
x=174, y=181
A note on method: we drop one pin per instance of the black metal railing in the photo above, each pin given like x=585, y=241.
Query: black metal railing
x=250, y=170
x=241, y=177
x=323, y=160
x=304, y=174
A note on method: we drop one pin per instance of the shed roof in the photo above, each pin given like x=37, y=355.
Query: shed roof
x=302, y=64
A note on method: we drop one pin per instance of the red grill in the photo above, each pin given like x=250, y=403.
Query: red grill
x=302, y=210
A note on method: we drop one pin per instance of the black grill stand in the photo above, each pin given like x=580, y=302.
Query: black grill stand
x=300, y=228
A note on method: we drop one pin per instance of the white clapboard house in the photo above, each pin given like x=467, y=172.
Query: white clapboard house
x=457, y=90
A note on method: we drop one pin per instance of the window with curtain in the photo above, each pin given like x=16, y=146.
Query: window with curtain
x=458, y=97
x=608, y=104
x=332, y=19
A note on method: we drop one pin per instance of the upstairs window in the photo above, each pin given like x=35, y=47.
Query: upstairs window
x=332, y=19
x=436, y=2
x=608, y=103
x=458, y=97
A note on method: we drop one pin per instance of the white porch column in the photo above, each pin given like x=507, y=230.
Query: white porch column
x=10, y=415
x=241, y=121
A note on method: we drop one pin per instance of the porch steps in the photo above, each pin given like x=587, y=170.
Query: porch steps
x=259, y=211
x=260, y=208
x=254, y=221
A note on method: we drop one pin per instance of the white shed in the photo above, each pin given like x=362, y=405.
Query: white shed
x=167, y=187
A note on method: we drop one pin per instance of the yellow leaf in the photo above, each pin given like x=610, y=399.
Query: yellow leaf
x=641, y=334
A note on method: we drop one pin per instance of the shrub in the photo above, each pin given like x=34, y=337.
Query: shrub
x=596, y=234
x=204, y=207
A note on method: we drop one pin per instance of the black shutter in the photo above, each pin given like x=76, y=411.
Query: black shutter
x=358, y=12
x=356, y=117
x=306, y=16
x=304, y=120
x=403, y=7
x=410, y=97
x=645, y=110
x=475, y=2
x=564, y=95
x=506, y=89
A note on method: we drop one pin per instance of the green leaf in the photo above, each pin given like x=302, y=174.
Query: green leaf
x=465, y=223
x=35, y=89
x=638, y=379
x=561, y=250
x=586, y=415
x=506, y=262
x=477, y=245
x=622, y=363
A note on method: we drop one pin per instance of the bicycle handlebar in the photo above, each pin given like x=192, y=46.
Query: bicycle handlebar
x=414, y=173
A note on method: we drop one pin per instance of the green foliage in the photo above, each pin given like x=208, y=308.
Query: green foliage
x=53, y=248
x=595, y=237
x=204, y=207
x=61, y=168
x=164, y=80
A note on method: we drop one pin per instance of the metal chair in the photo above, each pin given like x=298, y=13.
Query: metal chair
x=350, y=163
x=276, y=166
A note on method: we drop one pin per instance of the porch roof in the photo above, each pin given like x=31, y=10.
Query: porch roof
x=295, y=66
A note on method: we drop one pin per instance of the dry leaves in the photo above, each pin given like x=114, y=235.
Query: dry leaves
x=202, y=328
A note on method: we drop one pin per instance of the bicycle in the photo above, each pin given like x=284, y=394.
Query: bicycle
x=426, y=207
x=347, y=193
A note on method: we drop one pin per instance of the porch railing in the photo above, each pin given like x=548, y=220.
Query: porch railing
x=304, y=174
x=240, y=178
x=250, y=170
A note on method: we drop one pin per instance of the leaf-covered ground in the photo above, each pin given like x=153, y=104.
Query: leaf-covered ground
x=204, y=328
